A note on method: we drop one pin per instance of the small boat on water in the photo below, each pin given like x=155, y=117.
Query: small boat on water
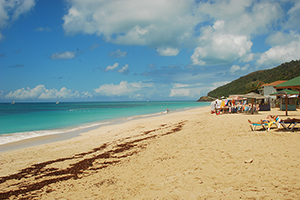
x=57, y=102
x=13, y=102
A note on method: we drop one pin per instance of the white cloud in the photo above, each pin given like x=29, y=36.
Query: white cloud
x=169, y=26
x=10, y=10
x=167, y=51
x=234, y=23
x=280, y=54
x=124, y=69
x=236, y=68
x=187, y=90
x=243, y=17
x=42, y=93
x=218, y=47
x=122, y=89
x=281, y=38
x=118, y=54
x=294, y=16
x=63, y=55
x=109, y=67
x=133, y=22
x=181, y=92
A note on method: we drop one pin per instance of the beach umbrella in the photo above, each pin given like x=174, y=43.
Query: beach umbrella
x=286, y=93
x=291, y=84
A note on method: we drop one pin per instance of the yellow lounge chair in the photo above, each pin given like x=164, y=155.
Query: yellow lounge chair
x=266, y=123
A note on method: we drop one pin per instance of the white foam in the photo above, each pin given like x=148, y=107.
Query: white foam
x=15, y=137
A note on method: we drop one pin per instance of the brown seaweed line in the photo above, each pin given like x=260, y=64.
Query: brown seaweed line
x=75, y=169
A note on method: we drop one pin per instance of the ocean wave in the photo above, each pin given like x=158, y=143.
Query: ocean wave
x=15, y=137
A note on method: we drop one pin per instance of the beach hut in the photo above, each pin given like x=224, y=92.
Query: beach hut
x=269, y=88
x=287, y=99
x=253, y=97
x=293, y=84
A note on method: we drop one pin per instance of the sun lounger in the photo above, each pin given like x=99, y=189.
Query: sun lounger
x=289, y=124
x=246, y=109
x=253, y=125
x=273, y=120
x=265, y=123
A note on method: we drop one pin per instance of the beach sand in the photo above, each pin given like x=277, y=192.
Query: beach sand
x=184, y=155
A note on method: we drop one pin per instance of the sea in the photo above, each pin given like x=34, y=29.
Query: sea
x=21, y=121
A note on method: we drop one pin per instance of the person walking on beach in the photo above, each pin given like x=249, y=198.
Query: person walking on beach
x=168, y=110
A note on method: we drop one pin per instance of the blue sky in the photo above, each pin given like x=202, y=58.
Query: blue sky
x=123, y=50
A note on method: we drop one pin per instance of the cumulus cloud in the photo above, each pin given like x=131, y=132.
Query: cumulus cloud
x=122, y=89
x=218, y=47
x=124, y=70
x=187, y=90
x=236, y=69
x=219, y=31
x=167, y=51
x=182, y=92
x=280, y=54
x=10, y=10
x=63, y=55
x=111, y=67
x=42, y=93
x=133, y=22
x=282, y=38
x=118, y=54
x=294, y=16
x=243, y=17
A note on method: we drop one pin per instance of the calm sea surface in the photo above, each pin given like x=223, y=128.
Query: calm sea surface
x=27, y=120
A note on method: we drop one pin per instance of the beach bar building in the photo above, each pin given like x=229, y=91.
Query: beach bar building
x=268, y=89
x=288, y=99
x=289, y=89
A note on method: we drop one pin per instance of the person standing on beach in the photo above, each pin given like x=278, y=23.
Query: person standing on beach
x=168, y=110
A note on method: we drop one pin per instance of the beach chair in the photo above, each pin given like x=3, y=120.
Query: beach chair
x=265, y=123
x=253, y=125
x=289, y=124
x=246, y=109
x=239, y=109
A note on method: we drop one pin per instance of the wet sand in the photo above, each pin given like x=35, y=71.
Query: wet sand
x=185, y=155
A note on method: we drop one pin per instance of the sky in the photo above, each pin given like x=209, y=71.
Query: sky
x=139, y=50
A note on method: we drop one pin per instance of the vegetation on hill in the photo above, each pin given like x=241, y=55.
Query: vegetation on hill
x=253, y=81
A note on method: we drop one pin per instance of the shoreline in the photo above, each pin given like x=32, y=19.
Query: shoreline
x=191, y=154
x=56, y=137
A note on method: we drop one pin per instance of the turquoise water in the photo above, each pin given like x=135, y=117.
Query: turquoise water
x=26, y=120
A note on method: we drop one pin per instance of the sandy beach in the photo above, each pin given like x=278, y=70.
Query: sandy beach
x=184, y=155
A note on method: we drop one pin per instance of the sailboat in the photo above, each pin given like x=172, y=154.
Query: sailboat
x=57, y=101
x=13, y=102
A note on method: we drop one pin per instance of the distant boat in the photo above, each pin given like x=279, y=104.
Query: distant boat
x=13, y=102
x=57, y=101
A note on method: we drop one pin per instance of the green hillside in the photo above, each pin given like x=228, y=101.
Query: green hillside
x=253, y=81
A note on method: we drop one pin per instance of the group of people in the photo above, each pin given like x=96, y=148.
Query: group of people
x=232, y=106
